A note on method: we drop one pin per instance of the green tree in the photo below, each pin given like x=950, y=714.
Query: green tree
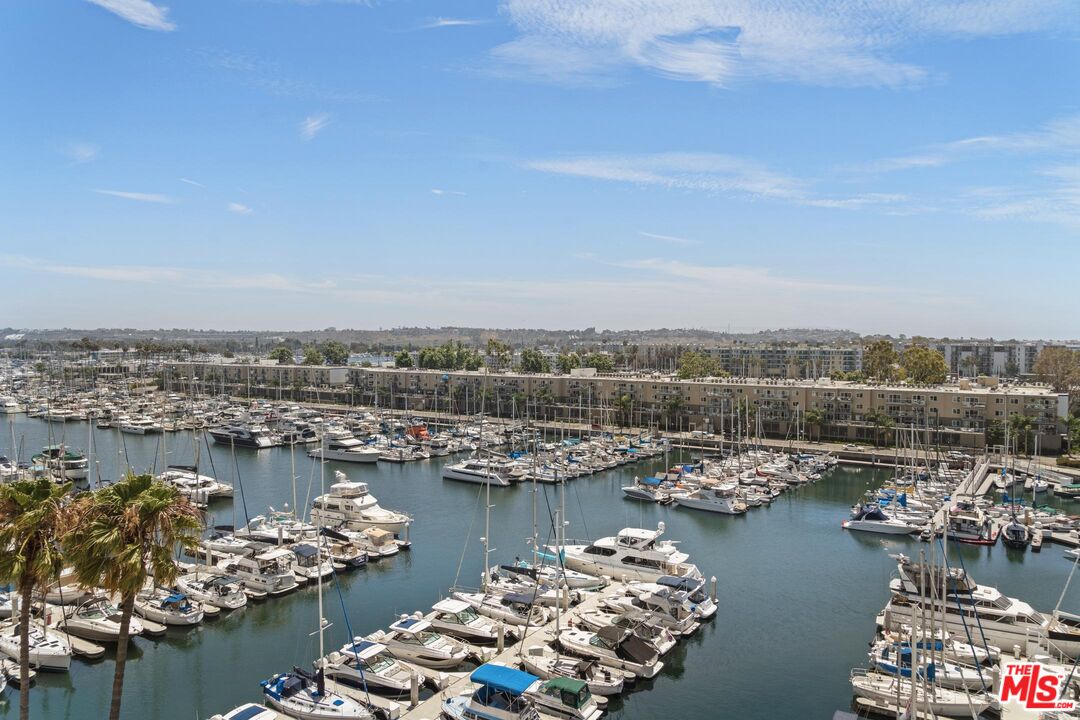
x=1059, y=367
x=533, y=361
x=673, y=409
x=312, y=356
x=1021, y=426
x=403, y=359
x=601, y=361
x=283, y=354
x=568, y=361
x=500, y=353
x=335, y=352
x=924, y=365
x=881, y=422
x=814, y=420
x=698, y=365
x=995, y=432
x=624, y=407
x=970, y=365
x=121, y=536
x=879, y=360
x=32, y=520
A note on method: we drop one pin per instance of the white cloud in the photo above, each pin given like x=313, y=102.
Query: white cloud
x=440, y=191
x=240, y=209
x=138, y=196
x=669, y=238
x=827, y=42
x=312, y=125
x=189, y=181
x=81, y=152
x=143, y=13
x=742, y=276
x=441, y=22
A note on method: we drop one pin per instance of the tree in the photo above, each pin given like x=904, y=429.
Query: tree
x=673, y=408
x=601, y=361
x=624, y=407
x=814, y=419
x=283, y=354
x=970, y=364
x=1059, y=367
x=567, y=362
x=995, y=432
x=32, y=518
x=335, y=352
x=533, y=361
x=312, y=356
x=879, y=360
x=122, y=535
x=881, y=422
x=1021, y=425
x=698, y=365
x=403, y=359
x=500, y=353
x=924, y=365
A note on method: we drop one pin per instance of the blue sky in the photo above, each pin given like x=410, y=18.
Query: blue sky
x=902, y=166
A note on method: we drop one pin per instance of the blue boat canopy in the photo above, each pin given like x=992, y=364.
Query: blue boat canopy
x=503, y=678
x=651, y=481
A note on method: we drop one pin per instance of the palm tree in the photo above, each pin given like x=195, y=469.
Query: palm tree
x=624, y=406
x=1021, y=425
x=880, y=421
x=673, y=408
x=814, y=418
x=123, y=534
x=32, y=517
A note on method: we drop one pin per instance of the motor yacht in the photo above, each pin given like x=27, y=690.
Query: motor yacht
x=221, y=591
x=98, y=620
x=343, y=446
x=634, y=554
x=269, y=572
x=500, y=695
x=718, y=498
x=243, y=436
x=414, y=640
x=370, y=665
x=459, y=619
x=475, y=471
x=350, y=505
x=612, y=646
x=871, y=518
x=190, y=483
x=167, y=607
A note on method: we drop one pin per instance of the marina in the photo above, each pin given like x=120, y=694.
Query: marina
x=758, y=613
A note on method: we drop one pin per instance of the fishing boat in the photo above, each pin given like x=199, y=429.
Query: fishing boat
x=634, y=554
x=970, y=525
x=475, y=471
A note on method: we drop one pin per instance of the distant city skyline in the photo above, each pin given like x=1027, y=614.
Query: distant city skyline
x=894, y=168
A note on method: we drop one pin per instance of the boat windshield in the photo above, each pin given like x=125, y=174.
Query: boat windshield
x=429, y=638
x=378, y=663
x=466, y=616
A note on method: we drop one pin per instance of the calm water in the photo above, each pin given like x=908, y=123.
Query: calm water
x=797, y=601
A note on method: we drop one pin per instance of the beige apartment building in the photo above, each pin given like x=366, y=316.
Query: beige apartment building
x=955, y=415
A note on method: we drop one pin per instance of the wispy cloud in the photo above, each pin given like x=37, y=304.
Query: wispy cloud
x=240, y=208
x=143, y=13
x=189, y=181
x=138, y=196
x=274, y=79
x=81, y=152
x=669, y=238
x=441, y=22
x=824, y=42
x=440, y=191
x=743, y=276
x=312, y=125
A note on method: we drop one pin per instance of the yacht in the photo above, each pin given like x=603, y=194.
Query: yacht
x=303, y=695
x=968, y=524
x=9, y=406
x=279, y=527
x=936, y=700
x=650, y=489
x=190, y=483
x=459, y=619
x=519, y=609
x=633, y=554
x=247, y=436
x=1004, y=621
x=270, y=572
x=63, y=463
x=871, y=518
x=349, y=504
x=167, y=608
x=342, y=446
x=641, y=623
x=412, y=639
x=98, y=620
x=369, y=665
x=612, y=646
x=719, y=499
x=542, y=661
x=475, y=471
x=138, y=426
x=48, y=649
x=221, y=591
x=500, y=695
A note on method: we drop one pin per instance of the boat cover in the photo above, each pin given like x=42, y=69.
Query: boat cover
x=503, y=678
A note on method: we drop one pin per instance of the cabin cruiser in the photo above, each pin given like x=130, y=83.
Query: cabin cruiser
x=871, y=518
x=98, y=620
x=221, y=591
x=298, y=433
x=48, y=649
x=459, y=619
x=302, y=695
x=341, y=550
x=225, y=543
x=475, y=471
x=343, y=446
x=350, y=505
x=269, y=572
x=9, y=406
x=718, y=498
x=633, y=554
x=542, y=661
x=887, y=689
x=559, y=698
x=67, y=590
x=279, y=527
x=311, y=563
x=167, y=607
x=519, y=609
x=246, y=436
x=613, y=646
x=1004, y=621
x=641, y=623
x=500, y=695
x=403, y=453
x=373, y=541
x=190, y=483
x=650, y=489
x=968, y=524
x=369, y=665
x=63, y=463
x=662, y=608
x=552, y=575
x=413, y=639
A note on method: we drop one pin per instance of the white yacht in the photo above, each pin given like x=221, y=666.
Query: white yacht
x=937, y=700
x=48, y=649
x=311, y=563
x=98, y=620
x=634, y=554
x=220, y=591
x=369, y=664
x=138, y=426
x=270, y=572
x=412, y=639
x=63, y=463
x=719, y=499
x=512, y=608
x=500, y=695
x=249, y=436
x=613, y=646
x=871, y=518
x=190, y=483
x=10, y=406
x=475, y=471
x=542, y=661
x=350, y=505
x=343, y=446
x=459, y=619
x=167, y=607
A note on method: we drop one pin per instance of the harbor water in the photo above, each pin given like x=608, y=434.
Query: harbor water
x=797, y=595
